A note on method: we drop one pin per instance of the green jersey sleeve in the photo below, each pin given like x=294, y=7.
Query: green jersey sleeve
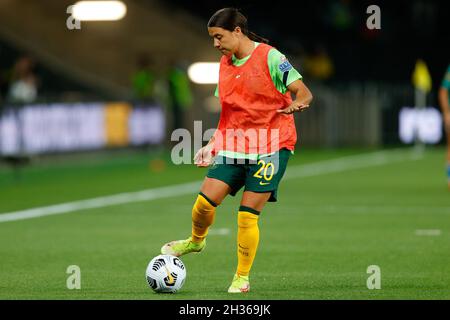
x=281, y=70
x=446, y=81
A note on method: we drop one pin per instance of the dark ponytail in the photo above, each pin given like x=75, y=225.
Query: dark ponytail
x=253, y=36
x=229, y=19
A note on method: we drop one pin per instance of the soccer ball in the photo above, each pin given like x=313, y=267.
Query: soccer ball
x=165, y=274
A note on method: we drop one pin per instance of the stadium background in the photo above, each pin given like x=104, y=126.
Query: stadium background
x=356, y=195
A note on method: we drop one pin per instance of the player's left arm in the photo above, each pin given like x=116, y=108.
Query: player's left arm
x=303, y=97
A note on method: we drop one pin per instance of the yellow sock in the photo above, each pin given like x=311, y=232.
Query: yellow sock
x=203, y=214
x=247, y=239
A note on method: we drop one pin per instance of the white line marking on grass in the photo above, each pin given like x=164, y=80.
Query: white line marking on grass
x=303, y=170
x=350, y=163
x=428, y=232
x=100, y=202
x=369, y=209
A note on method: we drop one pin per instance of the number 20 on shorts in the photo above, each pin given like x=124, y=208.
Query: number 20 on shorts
x=265, y=168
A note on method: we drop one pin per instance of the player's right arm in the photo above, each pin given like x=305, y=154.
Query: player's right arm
x=203, y=157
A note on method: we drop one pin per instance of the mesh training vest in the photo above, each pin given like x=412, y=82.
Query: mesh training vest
x=248, y=121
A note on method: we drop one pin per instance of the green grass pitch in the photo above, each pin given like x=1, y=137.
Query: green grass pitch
x=316, y=242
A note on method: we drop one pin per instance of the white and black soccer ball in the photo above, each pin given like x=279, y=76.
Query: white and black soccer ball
x=165, y=274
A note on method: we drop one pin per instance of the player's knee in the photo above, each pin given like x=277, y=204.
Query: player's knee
x=204, y=203
x=203, y=212
x=210, y=200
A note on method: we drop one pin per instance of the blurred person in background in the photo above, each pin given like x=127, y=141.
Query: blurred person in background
x=143, y=79
x=180, y=94
x=444, y=101
x=319, y=65
x=256, y=82
x=339, y=15
x=23, y=82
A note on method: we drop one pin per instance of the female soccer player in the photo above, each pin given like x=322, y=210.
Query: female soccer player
x=444, y=101
x=254, y=139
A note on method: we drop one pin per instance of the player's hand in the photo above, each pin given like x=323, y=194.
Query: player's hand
x=203, y=157
x=294, y=108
